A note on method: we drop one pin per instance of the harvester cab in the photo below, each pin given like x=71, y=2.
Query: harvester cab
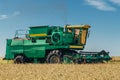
x=80, y=33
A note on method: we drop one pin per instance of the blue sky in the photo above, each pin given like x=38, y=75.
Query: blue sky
x=102, y=15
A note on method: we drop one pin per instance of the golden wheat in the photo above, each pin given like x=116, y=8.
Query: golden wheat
x=10, y=71
x=60, y=71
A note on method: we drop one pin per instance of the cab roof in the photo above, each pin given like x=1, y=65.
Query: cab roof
x=77, y=26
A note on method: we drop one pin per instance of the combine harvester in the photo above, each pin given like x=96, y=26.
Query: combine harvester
x=53, y=44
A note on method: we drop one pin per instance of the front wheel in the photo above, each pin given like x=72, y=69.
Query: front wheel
x=53, y=57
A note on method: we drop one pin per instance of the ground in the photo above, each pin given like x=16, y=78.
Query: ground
x=106, y=71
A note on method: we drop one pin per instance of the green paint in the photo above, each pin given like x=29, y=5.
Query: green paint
x=39, y=47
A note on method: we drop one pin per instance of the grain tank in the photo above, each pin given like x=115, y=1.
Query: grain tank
x=52, y=44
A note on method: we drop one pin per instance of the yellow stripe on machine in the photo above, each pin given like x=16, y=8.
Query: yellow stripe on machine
x=76, y=46
x=37, y=35
x=78, y=26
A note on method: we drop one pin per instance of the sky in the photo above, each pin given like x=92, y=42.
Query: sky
x=102, y=15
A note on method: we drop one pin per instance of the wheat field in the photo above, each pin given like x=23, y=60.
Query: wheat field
x=107, y=71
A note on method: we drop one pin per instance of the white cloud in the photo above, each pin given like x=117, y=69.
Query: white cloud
x=3, y=17
x=101, y=5
x=116, y=1
x=16, y=13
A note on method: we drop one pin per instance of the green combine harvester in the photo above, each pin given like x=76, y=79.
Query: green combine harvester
x=53, y=44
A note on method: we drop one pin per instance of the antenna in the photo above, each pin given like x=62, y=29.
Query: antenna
x=63, y=7
x=65, y=13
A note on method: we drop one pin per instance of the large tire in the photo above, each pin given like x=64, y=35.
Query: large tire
x=19, y=59
x=54, y=57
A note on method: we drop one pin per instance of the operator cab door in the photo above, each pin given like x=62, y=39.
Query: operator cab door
x=80, y=36
x=83, y=36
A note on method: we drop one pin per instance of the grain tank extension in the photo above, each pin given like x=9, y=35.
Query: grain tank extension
x=52, y=44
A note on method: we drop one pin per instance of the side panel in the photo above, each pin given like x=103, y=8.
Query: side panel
x=34, y=50
x=38, y=30
x=17, y=46
x=8, y=54
x=25, y=47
